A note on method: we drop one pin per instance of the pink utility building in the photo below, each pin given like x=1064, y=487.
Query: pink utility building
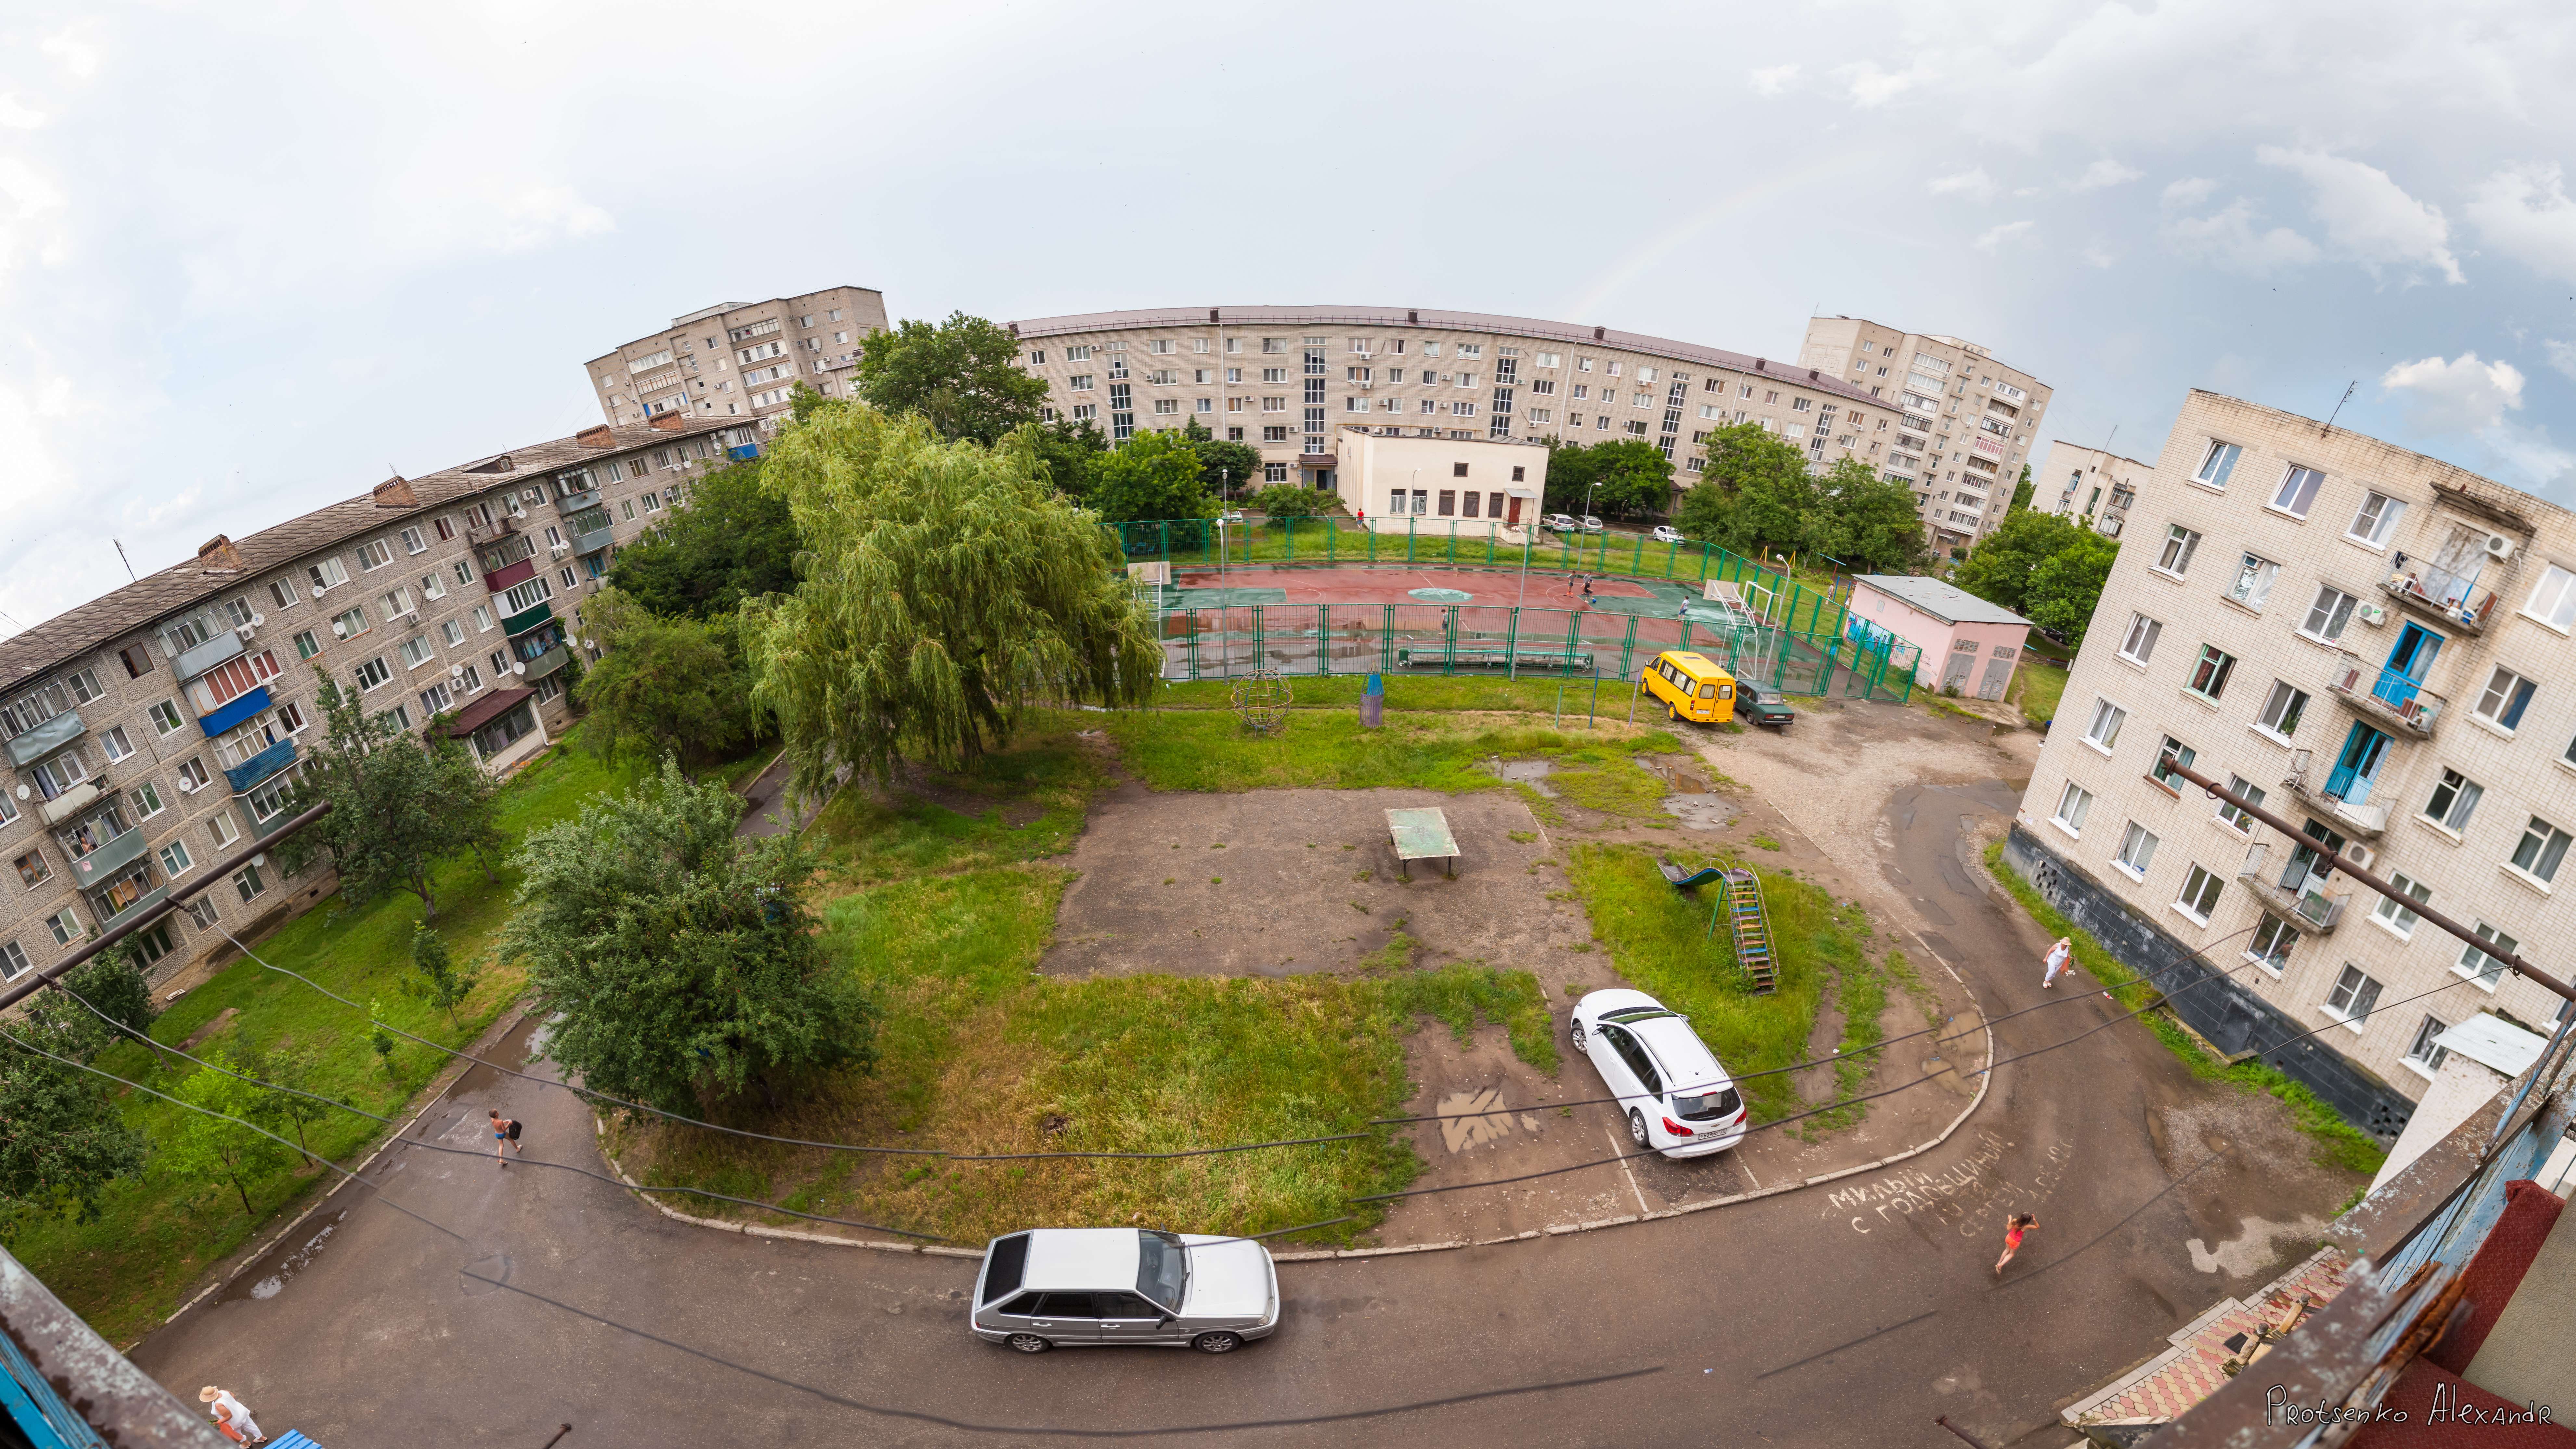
x=1968, y=644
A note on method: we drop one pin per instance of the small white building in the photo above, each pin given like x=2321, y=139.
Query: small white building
x=1382, y=477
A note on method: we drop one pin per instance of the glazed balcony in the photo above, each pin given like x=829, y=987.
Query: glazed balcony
x=46, y=738
x=260, y=766
x=108, y=859
x=108, y=916
x=526, y=619
x=193, y=662
x=548, y=662
x=2384, y=696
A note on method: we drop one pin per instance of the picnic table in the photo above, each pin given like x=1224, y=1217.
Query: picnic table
x=1421, y=834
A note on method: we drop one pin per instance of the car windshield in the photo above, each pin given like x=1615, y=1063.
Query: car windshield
x=1699, y=1104
x=1638, y=1013
x=1162, y=1268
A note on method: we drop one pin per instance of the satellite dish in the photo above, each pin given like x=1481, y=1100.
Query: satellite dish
x=22, y=792
x=517, y=666
x=257, y=619
x=456, y=671
x=317, y=591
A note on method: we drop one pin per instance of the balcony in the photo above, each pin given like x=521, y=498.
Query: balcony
x=572, y=503
x=72, y=801
x=743, y=453
x=46, y=738
x=234, y=712
x=227, y=645
x=260, y=766
x=526, y=619
x=2384, y=695
x=2366, y=821
x=108, y=859
x=2298, y=895
x=593, y=541
x=500, y=528
x=2438, y=595
x=548, y=662
x=108, y=916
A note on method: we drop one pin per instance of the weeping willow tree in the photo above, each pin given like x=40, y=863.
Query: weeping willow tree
x=943, y=589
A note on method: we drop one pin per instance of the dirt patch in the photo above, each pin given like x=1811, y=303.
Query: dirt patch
x=221, y=1019
x=1280, y=882
x=944, y=791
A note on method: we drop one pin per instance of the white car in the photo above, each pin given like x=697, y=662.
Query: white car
x=1095, y=1287
x=1560, y=522
x=1666, y=533
x=1591, y=524
x=1679, y=1101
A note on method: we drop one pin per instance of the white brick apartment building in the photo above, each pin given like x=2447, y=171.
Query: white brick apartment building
x=739, y=359
x=2093, y=487
x=151, y=732
x=2378, y=645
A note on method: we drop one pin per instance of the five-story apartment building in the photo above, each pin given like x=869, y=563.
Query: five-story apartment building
x=2091, y=486
x=2367, y=641
x=738, y=360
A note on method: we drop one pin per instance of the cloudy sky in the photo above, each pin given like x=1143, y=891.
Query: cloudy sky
x=252, y=257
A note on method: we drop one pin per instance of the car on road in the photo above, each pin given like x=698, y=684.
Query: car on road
x=1666, y=533
x=1756, y=705
x=1678, y=1100
x=1559, y=523
x=1096, y=1287
x=1591, y=524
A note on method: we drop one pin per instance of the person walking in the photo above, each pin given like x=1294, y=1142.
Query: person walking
x=2014, y=1227
x=505, y=1137
x=2059, y=956
x=231, y=1416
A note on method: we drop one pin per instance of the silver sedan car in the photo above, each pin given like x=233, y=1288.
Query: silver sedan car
x=1085, y=1287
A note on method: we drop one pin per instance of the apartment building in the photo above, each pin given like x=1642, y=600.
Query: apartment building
x=2095, y=488
x=149, y=732
x=1965, y=421
x=739, y=360
x=2362, y=639
x=1286, y=380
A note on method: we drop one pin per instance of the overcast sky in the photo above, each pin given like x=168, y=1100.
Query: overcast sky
x=252, y=257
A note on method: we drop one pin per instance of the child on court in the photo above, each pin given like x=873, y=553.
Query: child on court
x=2014, y=1227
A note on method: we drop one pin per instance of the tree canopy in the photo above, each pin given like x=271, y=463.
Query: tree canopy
x=946, y=589
x=1869, y=520
x=2066, y=587
x=62, y=1138
x=218, y=1151
x=683, y=959
x=1152, y=475
x=1755, y=493
x=962, y=376
x=1068, y=450
x=1287, y=500
x=401, y=804
x=1999, y=568
x=1225, y=469
x=672, y=684
x=732, y=540
x=1622, y=477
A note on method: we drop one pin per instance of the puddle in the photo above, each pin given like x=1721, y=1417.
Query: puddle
x=269, y=1276
x=511, y=1049
x=1532, y=773
x=1701, y=812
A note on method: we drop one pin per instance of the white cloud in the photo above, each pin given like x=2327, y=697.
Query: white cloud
x=2097, y=255
x=1870, y=86
x=2227, y=239
x=2462, y=395
x=2524, y=212
x=75, y=55
x=2025, y=191
x=2367, y=215
x=1972, y=182
x=2105, y=172
x=2189, y=191
x=2562, y=355
x=18, y=116
x=1771, y=80
x=542, y=215
x=1996, y=236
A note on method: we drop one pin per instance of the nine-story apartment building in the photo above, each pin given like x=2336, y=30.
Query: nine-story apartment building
x=740, y=359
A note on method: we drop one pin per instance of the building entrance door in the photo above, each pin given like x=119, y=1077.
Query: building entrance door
x=1992, y=686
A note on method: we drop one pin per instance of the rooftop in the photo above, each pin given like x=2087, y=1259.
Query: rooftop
x=1946, y=602
x=2493, y=1042
x=1569, y=333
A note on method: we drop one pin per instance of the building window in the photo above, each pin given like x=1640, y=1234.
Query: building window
x=2328, y=614
x=2217, y=463
x=2139, y=645
x=2246, y=790
x=306, y=646
x=146, y=799
x=2393, y=914
x=2137, y=851
x=32, y=869
x=2507, y=695
x=2180, y=544
x=372, y=673
x=2169, y=754
x=2270, y=946
x=2072, y=807
x=375, y=553
x=13, y=961
x=2543, y=846
x=174, y=859
x=2254, y=578
x=2353, y=998
x=326, y=575
x=2421, y=1053
x=114, y=742
x=1274, y=472
x=166, y=717
x=248, y=882
x=2282, y=709
x=2455, y=799
x=2199, y=895
x=2209, y=675
x=2298, y=491
x=2376, y=520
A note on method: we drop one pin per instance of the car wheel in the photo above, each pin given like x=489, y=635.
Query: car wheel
x=1217, y=1342
x=1637, y=1129
x=1673, y=712
x=1575, y=1033
x=1028, y=1343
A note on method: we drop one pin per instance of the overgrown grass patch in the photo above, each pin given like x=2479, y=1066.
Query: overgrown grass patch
x=2339, y=1143
x=1211, y=751
x=2037, y=687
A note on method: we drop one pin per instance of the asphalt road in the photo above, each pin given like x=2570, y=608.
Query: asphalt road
x=1840, y=1315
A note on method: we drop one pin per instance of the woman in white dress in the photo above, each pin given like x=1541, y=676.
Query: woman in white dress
x=231, y=1415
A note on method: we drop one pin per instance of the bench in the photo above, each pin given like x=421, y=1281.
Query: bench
x=1481, y=658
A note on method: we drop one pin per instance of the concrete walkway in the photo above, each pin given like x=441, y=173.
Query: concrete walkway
x=766, y=805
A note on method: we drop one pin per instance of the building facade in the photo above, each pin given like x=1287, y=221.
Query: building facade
x=1965, y=423
x=1286, y=379
x=153, y=731
x=1966, y=645
x=739, y=360
x=1388, y=479
x=2364, y=640
x=2095, y=488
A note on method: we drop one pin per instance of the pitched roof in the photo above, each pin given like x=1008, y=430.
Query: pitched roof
x=1946, y=602
x=111, y=616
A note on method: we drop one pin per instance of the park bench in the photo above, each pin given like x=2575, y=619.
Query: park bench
x=1485, y=658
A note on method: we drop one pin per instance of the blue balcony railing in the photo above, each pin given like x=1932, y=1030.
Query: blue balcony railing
x=744, y=453
x=260, y=766
x=234, y=712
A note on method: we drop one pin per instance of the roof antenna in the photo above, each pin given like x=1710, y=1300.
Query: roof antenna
x=2338, y=407
x=121, y=558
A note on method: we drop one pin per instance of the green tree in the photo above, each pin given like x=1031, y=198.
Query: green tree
x=1572, y=469
x=1998, y=569
x=671, y=684
x=1227, y=470
x=963, y=376
x=1287, y=500
x=380, y=1040
x=1630, y=476
x=62, y=1139
x=1870, y=524
x=295, y=1068
x=682, y=959
x=803, y=401
x=731, y=541
x=400, y=804
x=2066, y=587
x=1068, y=451
x=948, y=588
x=1755, y=493
x=441, y=979
x=1152, y=475
x=2021, y=492
x=110, y=982
x=217, y=1151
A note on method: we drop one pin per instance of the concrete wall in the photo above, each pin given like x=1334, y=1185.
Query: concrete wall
x=1940, y=641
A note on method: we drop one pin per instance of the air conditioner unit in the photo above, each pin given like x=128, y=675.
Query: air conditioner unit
x=2360, y=855
x=2499, y=547
x=2373, y=615
x=246, y=633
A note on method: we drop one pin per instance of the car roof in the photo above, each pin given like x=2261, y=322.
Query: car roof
x=1076, y=1258
x=1696, y=663
x=1681, y=1051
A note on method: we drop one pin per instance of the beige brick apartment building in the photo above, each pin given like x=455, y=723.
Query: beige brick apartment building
x=1965, y=426
x=2091, y=486
x=738, y=360
x=153, y=731
x=1286, y=380
x=2378, y=645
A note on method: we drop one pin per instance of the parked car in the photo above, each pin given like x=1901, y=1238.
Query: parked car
x=1666, y=533
x=1095, y=1287
x=1756, y=705
x=1679, y=1101
x=1591, y=524
x=1559, y=523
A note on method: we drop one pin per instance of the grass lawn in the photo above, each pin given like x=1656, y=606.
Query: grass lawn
x=158, y=1232
x=2037, y=688
x=1424, y=693
x=1210, y=750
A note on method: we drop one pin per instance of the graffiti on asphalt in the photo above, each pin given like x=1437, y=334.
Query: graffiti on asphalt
x=1963, y=1195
